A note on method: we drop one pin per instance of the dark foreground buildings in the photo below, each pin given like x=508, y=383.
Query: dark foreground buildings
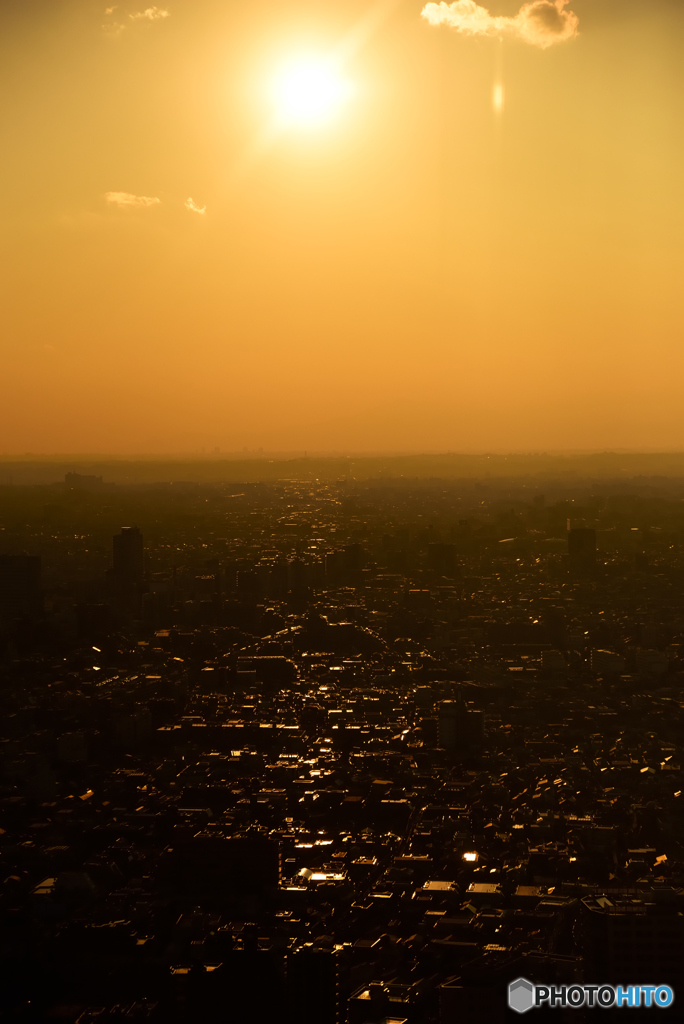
x=322, y=755
x=20, y=584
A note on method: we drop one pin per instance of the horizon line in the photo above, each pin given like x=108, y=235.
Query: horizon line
x=302, y=453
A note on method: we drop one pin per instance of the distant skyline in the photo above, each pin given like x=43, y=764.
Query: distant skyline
x=369, y=226
x=334, y=453
x=201, y=454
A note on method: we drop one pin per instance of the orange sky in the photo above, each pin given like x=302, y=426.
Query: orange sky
x=416, y=273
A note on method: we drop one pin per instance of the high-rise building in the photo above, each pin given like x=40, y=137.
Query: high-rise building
x=625, y=936
x=20, y=584
x=582, y=548
x=128, y=555
x=334, y=566
x=313, y=985
x=442, y=558
x=606, y=662
x=460, y=730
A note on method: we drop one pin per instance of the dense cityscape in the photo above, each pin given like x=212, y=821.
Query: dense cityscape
x=338, y=751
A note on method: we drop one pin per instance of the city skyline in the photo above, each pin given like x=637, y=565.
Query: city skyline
x=335, y=751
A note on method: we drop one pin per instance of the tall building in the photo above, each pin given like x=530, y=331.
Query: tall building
x=334, y=566
x=211, y=864
x=20, y=584
x=313, y=985
x=442, y=558
x=625, y=936
x=582, y=549
x=459, y=729
x=128, y=555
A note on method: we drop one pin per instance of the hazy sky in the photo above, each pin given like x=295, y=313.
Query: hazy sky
x=481, y=247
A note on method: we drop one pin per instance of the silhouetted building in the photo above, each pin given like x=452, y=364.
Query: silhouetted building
x=277, y=581
x=459, y=730
x=248, y=585
x=298, y=577
x=334, y=566
x=582, y=549
x=128, y=555
x=442, y=558
x=20, y=584
x=606, y=661
x=631, y=936
x=273, y=668
x=353, y=559
x=345, y=565
x=213, y=865
x=553, y=619
x=313, y=985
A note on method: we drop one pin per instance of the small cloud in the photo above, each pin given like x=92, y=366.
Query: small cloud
x=113, y=29
x=149, y=14
x=123, y=199
x=190, y=204
x=539, y=23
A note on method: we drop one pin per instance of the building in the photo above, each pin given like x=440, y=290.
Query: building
x=582, y=549
x=313, y=985
x=605, y=662
x=128, y=556
x=20, y=578
x=630, y=936
x=459, y=729
x=442, y=559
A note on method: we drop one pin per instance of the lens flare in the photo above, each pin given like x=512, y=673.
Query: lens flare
x=498, y=98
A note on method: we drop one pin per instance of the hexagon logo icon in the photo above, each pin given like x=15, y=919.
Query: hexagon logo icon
x=521, y=995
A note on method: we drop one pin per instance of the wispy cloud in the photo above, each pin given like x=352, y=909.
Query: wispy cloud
x=112, y=28
x=124, y=199
x=540, y=22
x=190, y=204
x=149, y=14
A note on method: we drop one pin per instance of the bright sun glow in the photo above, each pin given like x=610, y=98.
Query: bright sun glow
x=308, y=91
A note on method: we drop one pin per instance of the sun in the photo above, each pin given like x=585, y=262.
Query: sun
x=307, y=91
